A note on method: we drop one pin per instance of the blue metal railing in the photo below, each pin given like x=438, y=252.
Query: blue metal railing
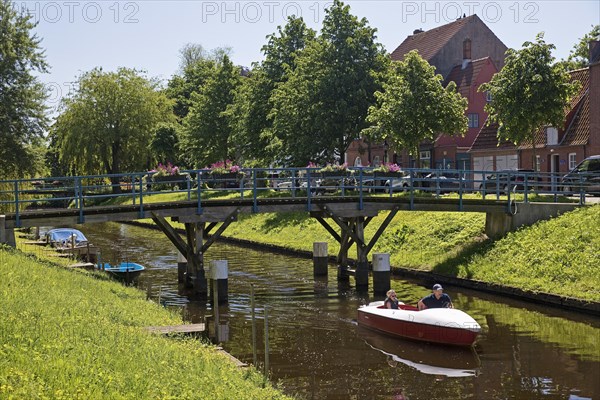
x=79, y=192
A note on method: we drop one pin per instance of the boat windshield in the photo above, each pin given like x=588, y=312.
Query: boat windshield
x=64, y=235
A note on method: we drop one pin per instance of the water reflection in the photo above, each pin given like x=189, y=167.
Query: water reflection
x=426, y=358
x=317, y=351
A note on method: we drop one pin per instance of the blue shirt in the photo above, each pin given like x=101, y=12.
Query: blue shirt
x=432, y=302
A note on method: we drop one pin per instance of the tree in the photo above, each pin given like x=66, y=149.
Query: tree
x=107, y=123
x=322, y=107
x=252, y=104
x=579, y=56
x=23, y=117
x=165, y=143
x=206, y=134
x=530, y=92
x=414, y=106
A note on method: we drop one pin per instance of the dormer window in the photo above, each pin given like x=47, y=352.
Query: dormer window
x=551, y=136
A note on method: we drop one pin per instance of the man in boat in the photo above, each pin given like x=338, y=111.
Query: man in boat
x=437, y=299
x=391, y=301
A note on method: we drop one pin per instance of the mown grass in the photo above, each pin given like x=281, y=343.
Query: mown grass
x=66, y=335
x=558, y=256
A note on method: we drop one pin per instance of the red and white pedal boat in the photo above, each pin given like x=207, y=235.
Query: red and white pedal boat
x=438, y=325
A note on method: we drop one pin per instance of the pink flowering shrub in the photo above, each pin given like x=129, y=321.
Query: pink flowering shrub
x=165, y=170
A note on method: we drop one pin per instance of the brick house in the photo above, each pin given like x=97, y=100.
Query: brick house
x=465, y=51
x=558, y=149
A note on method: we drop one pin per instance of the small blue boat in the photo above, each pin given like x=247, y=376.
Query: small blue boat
x=127, y=271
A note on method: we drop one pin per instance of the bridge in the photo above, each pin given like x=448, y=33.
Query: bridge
x=207, y=203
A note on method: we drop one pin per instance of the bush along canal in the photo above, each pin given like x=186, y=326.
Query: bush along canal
x=316, y=349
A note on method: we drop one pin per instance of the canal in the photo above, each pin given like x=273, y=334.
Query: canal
x=317, y=351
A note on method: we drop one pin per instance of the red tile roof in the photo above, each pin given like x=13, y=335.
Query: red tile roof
x=430, y=42
x=465, y=77
x=487, y=139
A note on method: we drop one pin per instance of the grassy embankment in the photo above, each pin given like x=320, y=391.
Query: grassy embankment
x=72, y=335
x=558, y=256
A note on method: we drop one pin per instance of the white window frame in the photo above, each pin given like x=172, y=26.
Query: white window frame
x=572, y=160
x=488, y=96
x=538, y=163
x=358, y=162
x=376, y=162
x=473, y=120
x=425, y=157
x=551, y=136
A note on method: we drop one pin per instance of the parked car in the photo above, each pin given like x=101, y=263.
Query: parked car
x=506, y=180
x=399, y=184
x=585, y=176
x=333, y=184
x=443, y=182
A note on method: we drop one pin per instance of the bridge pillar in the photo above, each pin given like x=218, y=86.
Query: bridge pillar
x=361, y=276
x=182, y=265
x=320, y=258
x=7, y=236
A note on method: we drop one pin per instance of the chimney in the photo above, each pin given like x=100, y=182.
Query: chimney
x=416, y=31
x=466, y=53
x=594, y=51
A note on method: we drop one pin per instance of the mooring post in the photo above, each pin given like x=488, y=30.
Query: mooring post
x=218, y=275
x=381, y=273
x=320, y=258
x=181, y=267
x=2, y=228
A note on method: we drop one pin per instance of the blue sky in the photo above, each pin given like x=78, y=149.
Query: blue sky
x=148, y=34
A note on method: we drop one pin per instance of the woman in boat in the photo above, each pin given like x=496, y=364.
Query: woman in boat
x=391, y=301
x=437, y=299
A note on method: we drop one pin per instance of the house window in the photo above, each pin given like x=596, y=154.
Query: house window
x=488, y=96
x=551, y=136
x=357, y=162
x=474, y=120
x=425, y=157
x=572, y=160
x=376, y=162
x=538, y=161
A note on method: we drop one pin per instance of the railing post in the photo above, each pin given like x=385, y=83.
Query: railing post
x=79, y=198
x=460, y=192
x=360, y=188
x=17, y=218
x=188, y=182
x=141, y=188
x=412, y=190
x=199, y=193
x=254, y=192
x=141, y=212
x=308, y=206
x=525, y=187
x=132, y=189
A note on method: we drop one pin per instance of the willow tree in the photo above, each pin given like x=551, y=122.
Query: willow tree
x=23, y=117
x=530, y=92
x=108, y=122
x=414, y=106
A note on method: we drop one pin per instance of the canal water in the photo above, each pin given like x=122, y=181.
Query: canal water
x=317, y=351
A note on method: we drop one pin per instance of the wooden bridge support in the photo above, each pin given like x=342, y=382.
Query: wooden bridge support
x=7, y=235
x=353, y=232
x=194, y=246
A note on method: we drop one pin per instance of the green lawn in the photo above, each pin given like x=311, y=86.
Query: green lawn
x=71, y=335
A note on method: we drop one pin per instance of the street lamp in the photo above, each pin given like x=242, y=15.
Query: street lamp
x=385, y=151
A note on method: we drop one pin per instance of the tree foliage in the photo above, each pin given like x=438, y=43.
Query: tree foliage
x=530, y=92
x=322, y=107
x=252, y=129
x=414, y=106
x=579, y=57
x=23, y=117
x=108, y=122
x=206, y=134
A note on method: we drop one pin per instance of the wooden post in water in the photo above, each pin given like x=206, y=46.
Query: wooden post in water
x=266, y=342
x=219, y=276
x=381, y=273
x=320, y=258
x=254, y=357
x=216, y=309
x=2, y=228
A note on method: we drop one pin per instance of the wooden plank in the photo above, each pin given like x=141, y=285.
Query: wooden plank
x=237, y=362
x=187, y=328
x=170, y=233
x=82, y=265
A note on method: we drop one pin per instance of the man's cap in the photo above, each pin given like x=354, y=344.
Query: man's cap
x=437, y=286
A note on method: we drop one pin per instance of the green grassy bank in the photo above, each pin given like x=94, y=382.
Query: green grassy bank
x=71, y=335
